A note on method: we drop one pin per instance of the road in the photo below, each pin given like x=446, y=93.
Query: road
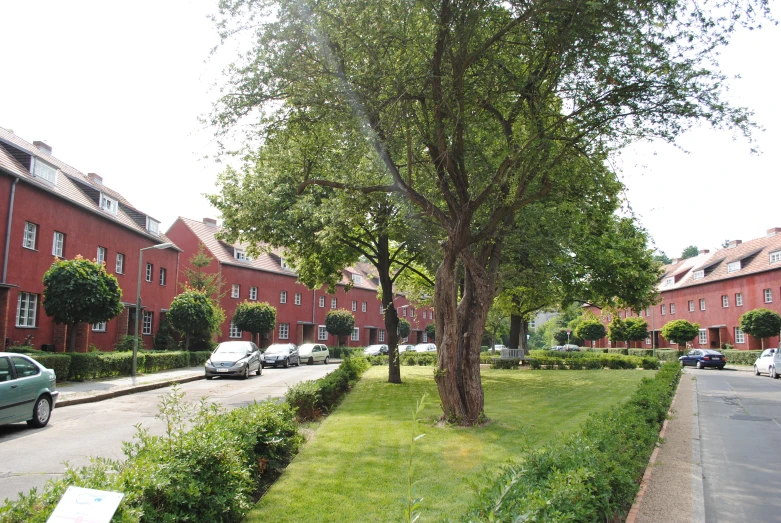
x=29, y=458
x=740, y=440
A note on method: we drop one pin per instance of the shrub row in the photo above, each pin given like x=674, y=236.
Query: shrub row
x=207, y=471
x=591, y=475
x=610, y=361
x=312, y=399
x=741, y=357
x=507, y=363
x=419, y=358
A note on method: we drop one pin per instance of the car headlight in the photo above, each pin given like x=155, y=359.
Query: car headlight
x=209, y=363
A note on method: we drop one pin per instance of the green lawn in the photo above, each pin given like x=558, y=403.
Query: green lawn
x=355, y=466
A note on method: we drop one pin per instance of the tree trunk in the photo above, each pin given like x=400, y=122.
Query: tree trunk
x=524, y=343
x=72, y=328
x=391, y=314
x=515, y=331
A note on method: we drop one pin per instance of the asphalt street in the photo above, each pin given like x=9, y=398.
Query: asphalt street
x=30, y=457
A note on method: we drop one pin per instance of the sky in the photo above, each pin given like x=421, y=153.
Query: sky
x=117, y=89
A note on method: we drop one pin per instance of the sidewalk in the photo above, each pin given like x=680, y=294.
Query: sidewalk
x=75, y=393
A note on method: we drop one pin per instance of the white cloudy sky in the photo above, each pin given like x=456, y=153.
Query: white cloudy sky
x=116, y=89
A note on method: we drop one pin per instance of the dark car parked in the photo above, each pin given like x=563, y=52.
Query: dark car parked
x=234, y=358
x=285, y=354
x=702, y=358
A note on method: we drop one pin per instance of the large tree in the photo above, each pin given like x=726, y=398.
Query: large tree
x=761, y=323
x=690, y=252
x=80, y=291
x=472, y=110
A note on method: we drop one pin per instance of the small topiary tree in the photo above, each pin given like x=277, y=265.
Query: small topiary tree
x=591, y=330
x=616, y=331
x=680, y=331
x=194, y=315
x=761, y=323
x=340, y=322
x=80, y=291
x=404, y=328
x=164, y=339
x=635, y=329
x=431, y=330
x=257, y=318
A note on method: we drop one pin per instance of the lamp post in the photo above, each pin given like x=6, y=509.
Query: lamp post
x=138, y=299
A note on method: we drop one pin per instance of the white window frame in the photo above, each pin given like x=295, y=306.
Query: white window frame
x=775, y=257
x=698, y=275
x=363, y=307
x=738, y=299
x=101, y=256
x=163, y=275
x=382, y=309
x=234, y=332
x=322, y=333
x=321, y=302
x=404, y=311
x=355, y=305
x=702, y=304
x=297, y=298
x=99, y=327
x=146, y=329
x=357, y=278
x=283, y=264
x=253, y=293
x=120, y=265
x=768, y=293
x=381, y=335
x=533, y=324
x=703, y=339
x=153, y=226
x=240, y=254
x=44, y=171
x=282, y=296
x=150, y=269
x=425, y=337
x=672, y=308
x=691, y=305
x=108, y=204
x=740, y=336
x=26, y=310
x=648, y=340
x=30, y=235
x=58, y=244
x=235, y=290
x=725, y=301
x=663, y=306
x=333, y=303
x=669, y=281
x=356, y=335
x=284, y=331
x=733, y=266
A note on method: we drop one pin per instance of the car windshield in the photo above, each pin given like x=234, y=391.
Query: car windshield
x=277, y=349
x=306, y=347
x=232, y=348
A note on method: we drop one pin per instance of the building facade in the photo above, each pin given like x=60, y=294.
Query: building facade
x=51, y=210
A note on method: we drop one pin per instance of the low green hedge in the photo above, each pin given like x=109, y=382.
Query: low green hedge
x=590, y=475
x=648, y=353
x=487, y=357
x=343, y=352
x=593, y=361
x=164, y=360
x=668, y=354
x=741, y=357
x=199, y=357
x=507, y=363
x=419, y=358
x=311, y=399
x=595, y=349
x=618, y=350
x=59, y=362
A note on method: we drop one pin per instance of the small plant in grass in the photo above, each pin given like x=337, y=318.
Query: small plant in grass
x=412, y=513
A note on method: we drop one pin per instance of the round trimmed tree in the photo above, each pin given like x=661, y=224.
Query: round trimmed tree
x=761, y=323
x=431, y=330
x=680, y=331
x=635, y=329
x=80, y=291
x=591, y=330
x=404, y=328
x=340, y=323
x=194, y=314
x=257, y=318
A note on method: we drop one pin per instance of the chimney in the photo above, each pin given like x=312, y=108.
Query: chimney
x=42, y=147
x=676, y=260
x=95, y=178
x=734, y=243
x=211, y=222
x=773, y=231
x=704, y=251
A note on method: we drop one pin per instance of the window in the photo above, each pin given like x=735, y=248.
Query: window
x=733, y=266
x=235, y=290
x=253, y=293
x=738, y=299
x=235, y=332
x=240, y=255
x=26, y=308
x=363, y=307
x=382, y=309
x=703, y=337
x=425, y=337
x=698, y=275
x=45, y=171
x=162, y=275
x=725, y=301
x=99, y=327
x=357, y=278
x=702, y=304
x=404, y=309
x=533, y=324
x=333, y=303
x=355, y=305
x=739, y=336
x=768, y=295
x=381, y=335
x=283, y=264
x=101, y=258
x=672, y=308
x=147, y=323
x=669, y=281
x=648, y=340
x=356, y=334
x=153, y=226
x=664, y=310
x=120, y=263
x=297, y=298
x=108, y=204
x=775, y=257
x=283, y=297
x=691, y=305
x=149, y=270
x=322, y=334
x=321, y=301
x=284, y=331
x=58, y=245
x=648, y=311
x=30, y=233
x=411, y=312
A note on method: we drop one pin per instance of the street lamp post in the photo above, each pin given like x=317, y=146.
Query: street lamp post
x=138, y=299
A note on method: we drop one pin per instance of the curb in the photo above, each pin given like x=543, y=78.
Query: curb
x=635, y=510
x=125, y=392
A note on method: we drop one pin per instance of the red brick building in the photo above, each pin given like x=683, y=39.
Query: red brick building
x=715, y=290
x=49, y=209
x=300, y=311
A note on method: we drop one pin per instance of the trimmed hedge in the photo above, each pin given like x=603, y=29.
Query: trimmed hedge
x=594, y=361
x=507, y=363
x=590, y=475
x=668, y=354
x=741, y=357
x=312, y=399
x=419, y=358
x=648, y=353
x=59, y=362
x=343, y=352
x=623, y=351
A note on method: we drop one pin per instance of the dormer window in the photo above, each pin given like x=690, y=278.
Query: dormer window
x=44, y=171
x=698, y=275
x=152, y=226
x=357, y=278
x=669, y=281
x=733, y=266
x=108, y=204
x=775, y=257
x=240, y=255
x=283, y=264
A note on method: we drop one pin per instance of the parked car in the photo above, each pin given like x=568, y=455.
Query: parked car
x=768, y=363
x=406, y=348
x=498, y=348
x=557, y=348
x=234, y=358
x=570, y=348
x=28, y=390
x=285, y=354
x=425, y=347
x=375, y=350
x=702, y=358
x=311, y=353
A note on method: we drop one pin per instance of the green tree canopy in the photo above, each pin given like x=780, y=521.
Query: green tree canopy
x=635, y=329
x=431, y=330
x=198, y=278
x=761, y=323
x=690, y=252
x=663, y=258
x=194, y=314
x=680, y=331
x=254, y=317
x=404, y=328
x=340, y=322
x=80, y=291
x=591, y=330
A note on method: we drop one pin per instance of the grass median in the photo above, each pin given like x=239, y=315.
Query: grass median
x=355, y=466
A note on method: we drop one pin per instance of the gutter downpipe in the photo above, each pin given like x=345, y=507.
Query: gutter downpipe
x=8, y=230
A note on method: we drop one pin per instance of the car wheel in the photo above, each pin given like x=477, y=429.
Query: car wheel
x=683, y=364
x=773, y=373
x=246, y=373
x=699, y=364
x=721, y=367
x=287, y=363
x=260, y=370
x=326, y=361
x=756, y=371
x=311, y=361
x=42, y=412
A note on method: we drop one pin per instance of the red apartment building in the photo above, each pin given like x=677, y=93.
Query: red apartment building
x=49, y=209
x=300, y=311
x=714, y=290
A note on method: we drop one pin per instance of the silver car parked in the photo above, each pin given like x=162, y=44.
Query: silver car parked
x=769, y=362
x=311, y=353
x=28, y=390
x=234, y=358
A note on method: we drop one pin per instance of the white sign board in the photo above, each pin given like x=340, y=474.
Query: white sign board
x=86, y=505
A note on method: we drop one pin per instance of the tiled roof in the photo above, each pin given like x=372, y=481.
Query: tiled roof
x=754, y=256
x=71, y=184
